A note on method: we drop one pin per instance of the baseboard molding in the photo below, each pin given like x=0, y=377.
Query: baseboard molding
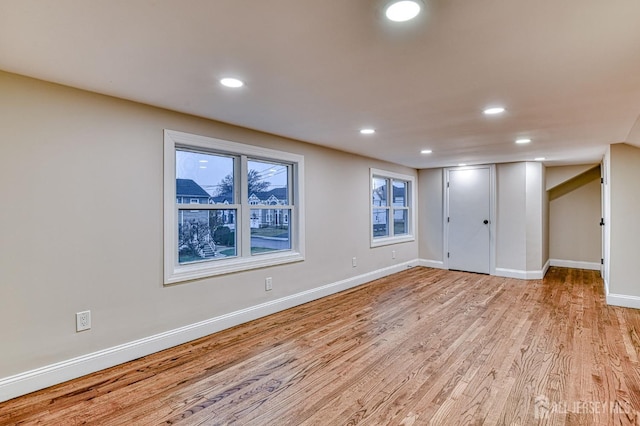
x=523, y=275
x=593, y=266
x=500, y=272
x=40, y=378
x=623, y=300
x=546, y=267
x=428, y=263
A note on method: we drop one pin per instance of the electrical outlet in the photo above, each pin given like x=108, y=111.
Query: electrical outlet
x=393, y=254
x=354, y=262
x=83, y=320
x=268, y=284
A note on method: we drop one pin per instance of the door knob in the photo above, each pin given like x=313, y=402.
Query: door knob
x=486, y=222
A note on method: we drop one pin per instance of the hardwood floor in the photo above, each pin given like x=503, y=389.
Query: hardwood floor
x=420, y=347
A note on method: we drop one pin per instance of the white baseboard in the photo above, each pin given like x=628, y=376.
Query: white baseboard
x=594, y=266
x=511, y=273
x=428, y=263
x=546, y=267
x=500, y=272
x=623, y=300
x=40, y=378
x=523, y=275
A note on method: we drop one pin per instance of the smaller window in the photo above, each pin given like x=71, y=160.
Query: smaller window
x=392, y=204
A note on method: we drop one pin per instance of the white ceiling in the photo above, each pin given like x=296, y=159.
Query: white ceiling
x=568, y=71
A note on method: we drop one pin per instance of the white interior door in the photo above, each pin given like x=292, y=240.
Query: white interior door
x=469, y=214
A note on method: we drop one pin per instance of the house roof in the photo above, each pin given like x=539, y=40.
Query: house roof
x=189, y=188
x=221, y=199
x=279, y=193
x=568, y=72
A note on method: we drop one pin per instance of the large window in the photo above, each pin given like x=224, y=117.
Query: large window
x=229, y=207
x=392, y=200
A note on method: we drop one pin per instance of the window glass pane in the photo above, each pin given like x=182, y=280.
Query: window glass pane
x=206, y=235
x=380, y=220
x=268, y=183
x=203, y=178
x=399, y=193
x=400, y=222
x=379, y=194
x=270, y=230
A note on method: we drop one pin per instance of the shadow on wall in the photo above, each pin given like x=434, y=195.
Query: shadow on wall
x=574, y=183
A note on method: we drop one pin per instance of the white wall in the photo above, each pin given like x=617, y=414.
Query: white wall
x=431, y=210
x=557, y=175
x=535, y=195
x=511, y=243
x=575, y=211
x=81, y=179
x=522, y=219
x=624, y=255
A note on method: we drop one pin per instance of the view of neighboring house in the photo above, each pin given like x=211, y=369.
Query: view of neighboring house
x=380, y=205
x=189, y=192
x=269, y=217
x=197, y=225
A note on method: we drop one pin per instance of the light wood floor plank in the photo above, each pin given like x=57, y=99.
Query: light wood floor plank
x=420, y=347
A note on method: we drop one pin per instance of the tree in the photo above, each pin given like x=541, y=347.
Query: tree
x=256, y=184
x=192, y=236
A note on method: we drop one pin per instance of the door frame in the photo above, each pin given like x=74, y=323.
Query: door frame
x=604, y=221
x=492, y=212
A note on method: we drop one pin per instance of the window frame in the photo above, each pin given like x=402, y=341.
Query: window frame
x=410, y=205
x=174, y=272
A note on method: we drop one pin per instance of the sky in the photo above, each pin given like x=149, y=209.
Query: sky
x=208, y=170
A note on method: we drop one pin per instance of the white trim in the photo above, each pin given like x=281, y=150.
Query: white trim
x=522, y=275
x=606, y=213
x=40, y=378
x=545, y=268
x=174, y=272
x=445, y=218
x=410, y=207
x=492, y=213
x=623, y=300
x=499, y=272
x=511, y=273
x=428, y=263
x=575, y=264
x=379, y=242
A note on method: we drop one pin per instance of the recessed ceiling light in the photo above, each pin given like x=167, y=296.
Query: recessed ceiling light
x=401, y=11
x=539, y=159
x=426, y=151
x=523, y=141
x=231, y=82
x=367, y=131
x=462, y=164
x=494, y=110
x=203, y=161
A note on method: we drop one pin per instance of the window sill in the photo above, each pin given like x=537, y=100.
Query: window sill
x=195, y=271
x=379, y=242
